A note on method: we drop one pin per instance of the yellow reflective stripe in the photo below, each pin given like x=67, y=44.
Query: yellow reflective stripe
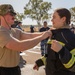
x=44, y=60
x=70, y=63
x=62, y=43
x=72, y=51
x=50, y=42
x=72, y=60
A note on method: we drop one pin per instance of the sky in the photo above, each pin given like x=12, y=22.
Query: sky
x=18, y=6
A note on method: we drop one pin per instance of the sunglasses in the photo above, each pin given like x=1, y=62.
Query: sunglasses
x=12, y=14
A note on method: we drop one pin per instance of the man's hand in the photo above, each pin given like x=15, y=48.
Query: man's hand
x=47, y=34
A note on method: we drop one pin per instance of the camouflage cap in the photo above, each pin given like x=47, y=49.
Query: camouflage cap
x=6, y=8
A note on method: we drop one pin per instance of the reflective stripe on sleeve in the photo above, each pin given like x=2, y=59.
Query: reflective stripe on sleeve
x=44, y=60
x=70, y=63
x=72, y=60
x=50, y=42
x=72, y=51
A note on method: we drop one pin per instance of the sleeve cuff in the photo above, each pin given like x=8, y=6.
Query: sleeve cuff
x=39, y=62
x=62, y=52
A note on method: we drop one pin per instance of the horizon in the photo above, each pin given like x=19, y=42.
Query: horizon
x=18, y=6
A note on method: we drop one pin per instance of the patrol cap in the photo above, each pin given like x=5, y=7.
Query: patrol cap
x=6, y=8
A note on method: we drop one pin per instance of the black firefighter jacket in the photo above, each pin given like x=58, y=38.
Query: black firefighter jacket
x=63, y=62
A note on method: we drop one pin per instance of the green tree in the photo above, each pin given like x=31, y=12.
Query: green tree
x=20, y=16
x=37, y=10
x=72, y=10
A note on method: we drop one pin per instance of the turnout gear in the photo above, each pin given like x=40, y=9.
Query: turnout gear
x=63, y=62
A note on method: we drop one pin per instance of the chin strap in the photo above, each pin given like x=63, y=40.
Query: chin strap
x=7, y=23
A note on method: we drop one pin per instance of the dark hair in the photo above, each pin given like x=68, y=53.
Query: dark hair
x=45, y=21
x=15, y=24
x=63, y=12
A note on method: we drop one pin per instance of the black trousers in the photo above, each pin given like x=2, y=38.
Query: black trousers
x=10, y=71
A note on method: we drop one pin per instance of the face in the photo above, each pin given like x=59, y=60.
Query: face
x=20, y=24
x=57, y=21
x=45, y=24
x=9, y=17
